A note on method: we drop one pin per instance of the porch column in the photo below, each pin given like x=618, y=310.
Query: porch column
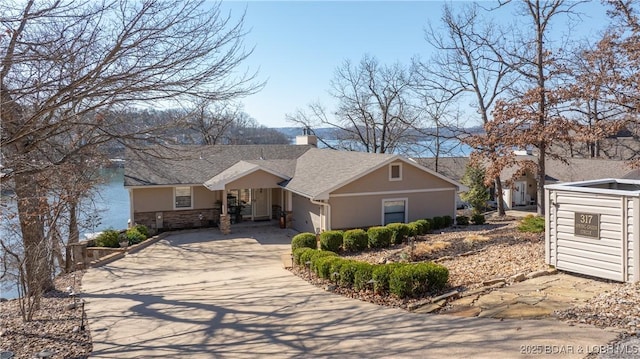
x=225, y=220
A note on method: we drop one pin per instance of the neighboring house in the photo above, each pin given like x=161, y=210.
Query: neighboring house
x=523, y=191
x=317, y=189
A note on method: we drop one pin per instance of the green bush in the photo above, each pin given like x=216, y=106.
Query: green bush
x=142, y=229
x=379, y=237
x=399, y=232
x=425, y=226
x=462, y=220
x=478, y=218
x=304, y=240
x=532, y=224
x=438, y=222
x=331, y=240
x=381, y=274
x=108, y=238
x=323, y=266
x=364, y=273
x=448, y=221
x=133, y=236
x=297, y=254
x=355, y=240
x=317, y=255
x=414, y=229
x=414, y=280
x=306, y=256
x=348, y=272
x=335, y=267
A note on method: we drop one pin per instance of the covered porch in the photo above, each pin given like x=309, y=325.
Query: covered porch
x=249, y=192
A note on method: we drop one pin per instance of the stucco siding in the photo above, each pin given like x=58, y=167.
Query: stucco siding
x=204, y=198
x=306, y=215
x=257, y=179
x=365, y=211
x=155, y=199
x=378, y=181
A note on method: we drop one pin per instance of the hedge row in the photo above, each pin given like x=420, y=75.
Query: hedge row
x=405, y=280
x=374, y=237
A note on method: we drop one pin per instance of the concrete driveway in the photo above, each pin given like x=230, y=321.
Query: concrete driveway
x=205, y=295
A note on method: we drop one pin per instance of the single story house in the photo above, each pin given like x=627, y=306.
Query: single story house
x=523, y=191
x=314, y=189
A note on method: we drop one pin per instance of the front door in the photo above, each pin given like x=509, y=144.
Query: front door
x=261, y=201
x=519, y=193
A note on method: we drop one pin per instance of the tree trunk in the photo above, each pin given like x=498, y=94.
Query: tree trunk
x=540, y=178
x=74, y=233
x=499, y=196
x=39, y=277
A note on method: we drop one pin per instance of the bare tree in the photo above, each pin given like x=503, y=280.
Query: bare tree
x=211, y=122
x=373, y=114
x=533, y=116
x=466, y=65
x=68, y=66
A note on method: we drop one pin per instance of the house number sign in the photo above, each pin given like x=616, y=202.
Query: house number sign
x=587, y=225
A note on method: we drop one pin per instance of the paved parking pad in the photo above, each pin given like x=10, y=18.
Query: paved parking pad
x=206, y=295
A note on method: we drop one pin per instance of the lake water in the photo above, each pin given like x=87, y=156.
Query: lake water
x=112, y=211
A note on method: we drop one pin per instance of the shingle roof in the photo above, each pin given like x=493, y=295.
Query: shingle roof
x=197, y=164
x=452, y=167
x=312, y=177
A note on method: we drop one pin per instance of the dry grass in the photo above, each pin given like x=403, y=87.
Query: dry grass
x=425, y=248
x=475, y=238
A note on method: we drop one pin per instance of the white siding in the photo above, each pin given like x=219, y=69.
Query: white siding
x=598, y=257
x=615, y=255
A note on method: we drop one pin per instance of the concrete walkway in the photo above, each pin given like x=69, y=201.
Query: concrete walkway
x=204, y=295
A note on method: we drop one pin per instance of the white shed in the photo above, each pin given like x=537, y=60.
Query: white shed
x=593, y=228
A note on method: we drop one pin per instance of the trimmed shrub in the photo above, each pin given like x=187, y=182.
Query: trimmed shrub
x=133, y=236
x=304, y=240
x=379, y=237
x=331, y=240
x=462, y=220
x=317, y=255
x=381, y=274
x=108, y=238
x=355, y=240
x=297, y=254
x=363, y=274
x=438, y=222
x=417, y=279
x=429, y=224
x=478, y=218
x=399, y=232
x=335, y=267
x=448, y=221
x=306, y=256
x=532, y=224
x=425, y=226
x=142, y=229
x=348, y=272
x=323, y=266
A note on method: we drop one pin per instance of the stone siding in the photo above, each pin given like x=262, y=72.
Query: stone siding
x=180, y=219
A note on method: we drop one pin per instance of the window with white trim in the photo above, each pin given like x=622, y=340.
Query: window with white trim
x=395, y=172
x=394, y=211
x=182, y=197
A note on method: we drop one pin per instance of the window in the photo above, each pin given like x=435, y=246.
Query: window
x=394, y=211
x=182, y=197
x=395, y=172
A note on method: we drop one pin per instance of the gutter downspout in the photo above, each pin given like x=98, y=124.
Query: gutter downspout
x=327, y=221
